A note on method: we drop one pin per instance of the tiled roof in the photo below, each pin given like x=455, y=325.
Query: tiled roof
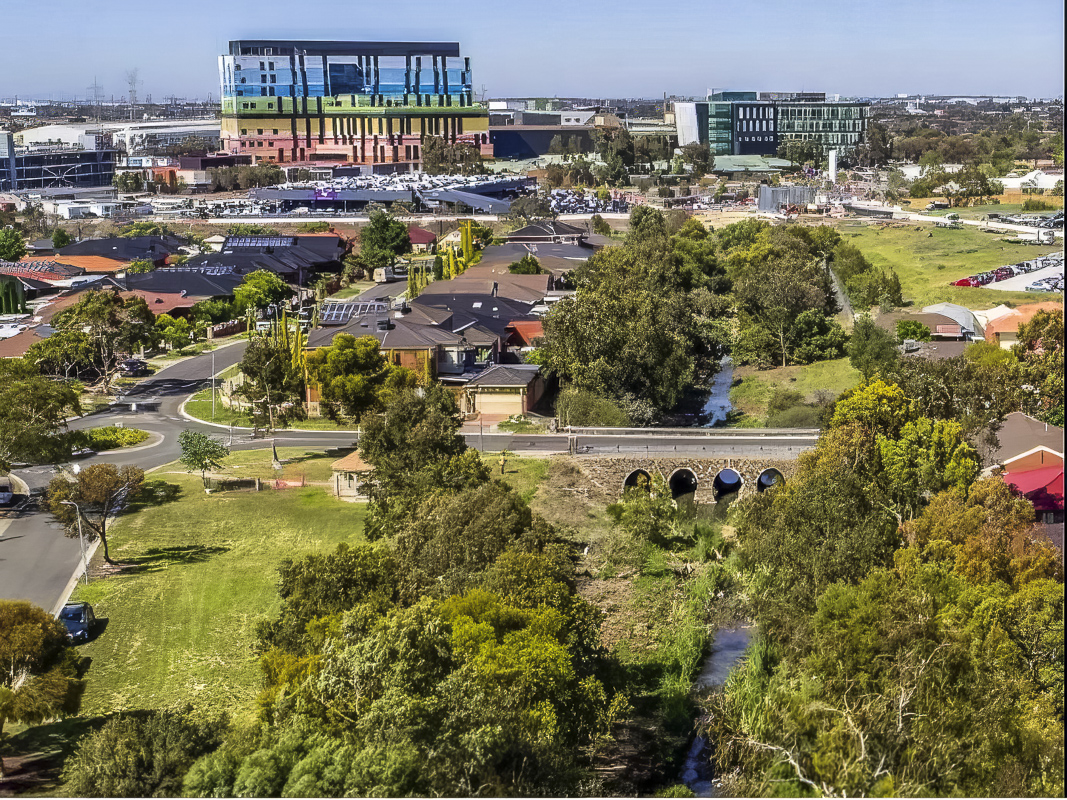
x=97, y=264
x=351, y=463
x=419, y=235
x=1020, y=433
x=507, y=375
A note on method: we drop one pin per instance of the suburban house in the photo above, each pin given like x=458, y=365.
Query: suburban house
x=294, y=259
x=1031, y=457
x=1002, y=323
x=422, y=240
x=504, y=390
x=548, y=232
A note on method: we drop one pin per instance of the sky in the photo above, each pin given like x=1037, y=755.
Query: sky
x=586, y=48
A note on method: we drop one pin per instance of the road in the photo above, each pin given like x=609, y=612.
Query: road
x=37, y=559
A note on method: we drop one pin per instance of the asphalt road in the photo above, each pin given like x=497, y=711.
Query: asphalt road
x=37, y=560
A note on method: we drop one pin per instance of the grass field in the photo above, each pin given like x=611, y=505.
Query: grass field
x=524, y=475
x=180, y=622
x=927, y=263
x=751, y=396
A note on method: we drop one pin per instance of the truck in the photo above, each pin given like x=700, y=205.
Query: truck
x=937, y=205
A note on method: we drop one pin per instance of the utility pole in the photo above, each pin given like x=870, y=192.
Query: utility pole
x=213, y=386
x=81, y=539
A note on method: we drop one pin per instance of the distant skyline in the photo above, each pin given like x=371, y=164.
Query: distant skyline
x=588, y=49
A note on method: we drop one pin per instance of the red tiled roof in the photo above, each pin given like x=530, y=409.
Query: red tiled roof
x=421, y=236
x=88, y=263
x=1042, y=487
x=524, y=332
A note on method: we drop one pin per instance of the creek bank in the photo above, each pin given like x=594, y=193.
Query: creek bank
x=727, y=649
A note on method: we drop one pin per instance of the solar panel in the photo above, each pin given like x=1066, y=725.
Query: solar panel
x=258, y=241
x=342, y=313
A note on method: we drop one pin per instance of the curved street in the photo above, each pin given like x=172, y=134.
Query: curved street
x=37, y=560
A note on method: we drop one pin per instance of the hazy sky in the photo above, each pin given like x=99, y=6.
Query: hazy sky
x=551, y=47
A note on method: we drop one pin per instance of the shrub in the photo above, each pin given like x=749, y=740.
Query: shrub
x=112, y=438
x=1037, y=205
x=585, y=409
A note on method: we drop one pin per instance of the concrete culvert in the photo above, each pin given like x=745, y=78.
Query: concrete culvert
x=638, y=478
x=769, y=478
x=727, y=482
x=682, y=482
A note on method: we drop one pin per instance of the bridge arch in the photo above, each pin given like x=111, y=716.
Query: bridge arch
x=683, y=481
x=639, y=479
x=768, y=479
x=728, y=481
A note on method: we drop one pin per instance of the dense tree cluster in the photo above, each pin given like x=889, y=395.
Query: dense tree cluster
x=911, y=625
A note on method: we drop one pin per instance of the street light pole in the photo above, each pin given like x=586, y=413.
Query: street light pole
x=81, y=539
x=212, y=385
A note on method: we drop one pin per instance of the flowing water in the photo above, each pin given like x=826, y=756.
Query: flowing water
x=718, y=405
x=729, y=646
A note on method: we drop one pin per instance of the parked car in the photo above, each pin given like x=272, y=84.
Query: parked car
x=134, y=367
x=79, y=620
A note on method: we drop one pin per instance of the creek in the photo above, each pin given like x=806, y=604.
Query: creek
x=729, y=646
x=718, y=406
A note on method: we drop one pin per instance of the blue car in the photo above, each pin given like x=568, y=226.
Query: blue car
x=79, y=620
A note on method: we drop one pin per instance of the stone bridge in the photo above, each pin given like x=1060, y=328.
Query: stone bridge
x=707, y=479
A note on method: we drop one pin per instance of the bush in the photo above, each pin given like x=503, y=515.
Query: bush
x=112, y=438
x=143, y=754
x=1037, y=205
x=585, y=409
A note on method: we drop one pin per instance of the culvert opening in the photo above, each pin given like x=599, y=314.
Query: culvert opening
x=638, y=479
x=768, y=479
x=727, y=484
x=683, y=483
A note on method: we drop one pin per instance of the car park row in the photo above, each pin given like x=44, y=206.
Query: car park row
x=1051, y=283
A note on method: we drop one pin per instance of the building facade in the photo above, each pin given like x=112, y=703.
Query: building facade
x=359, y=102
x=23, y=168
x=747, y=123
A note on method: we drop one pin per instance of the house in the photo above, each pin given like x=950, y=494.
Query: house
x=292, y=258
x=422, y=240
x=505, y=390
x=1026, y=443
x=156, y=249
x=548, y=232
x=1002, y=323
x=1042, y=487
x=350, y=474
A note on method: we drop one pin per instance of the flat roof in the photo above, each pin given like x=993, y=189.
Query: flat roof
x=315, y=47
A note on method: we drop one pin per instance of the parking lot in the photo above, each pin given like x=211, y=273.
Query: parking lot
x=1020, y=282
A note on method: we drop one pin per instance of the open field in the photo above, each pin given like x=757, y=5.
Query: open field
x=929, y=259
x=353, y=290
x=199, y=407
x=181, y=618
x=752, y=395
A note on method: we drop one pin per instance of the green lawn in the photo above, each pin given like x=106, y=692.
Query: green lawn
x=199, y=407
x=181, y=622
x=928, y=264
x=352, y=290
x=524, y=475
x=751, y=396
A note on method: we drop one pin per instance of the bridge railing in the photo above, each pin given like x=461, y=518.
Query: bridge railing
x=806, y=433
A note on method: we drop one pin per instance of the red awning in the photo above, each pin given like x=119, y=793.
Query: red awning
x=1042, y=487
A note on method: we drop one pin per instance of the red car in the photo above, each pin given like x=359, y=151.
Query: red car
x=965, y=282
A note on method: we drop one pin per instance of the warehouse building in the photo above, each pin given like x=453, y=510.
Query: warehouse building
x=25, y=168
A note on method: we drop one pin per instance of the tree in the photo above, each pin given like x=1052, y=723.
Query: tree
x=871, y=350
x=274, y=384
x=353, y=373
x=599, y=224
x=381, y=241
x=140, y=266
x=700, y=157
x=912, y=329
x=530, y=207
x=36, y=668
x=115, y=326
x=177, y=333
x=33, y=414
x=127, y=182
x=63, y=352
x=260, y=290
x=527, y=265
x=60, y=239
x=100, y=491
x=202, y=452
x=12, y=245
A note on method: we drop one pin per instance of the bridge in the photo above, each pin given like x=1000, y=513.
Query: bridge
x=708, y=465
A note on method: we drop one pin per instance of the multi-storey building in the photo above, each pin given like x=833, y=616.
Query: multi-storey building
x=363, y=102
x=747, y=123
x=23, y=168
